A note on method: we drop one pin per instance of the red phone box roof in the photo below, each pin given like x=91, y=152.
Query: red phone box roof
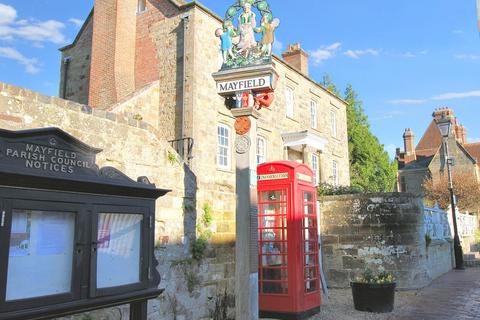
x=284, y=171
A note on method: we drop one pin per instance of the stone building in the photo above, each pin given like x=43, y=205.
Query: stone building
x=137, y=82
x=425, y=160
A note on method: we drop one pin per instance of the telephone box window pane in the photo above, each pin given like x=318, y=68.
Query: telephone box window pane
x=311, y=286
x=275, y=287
x=118, y=249
x=41, y=254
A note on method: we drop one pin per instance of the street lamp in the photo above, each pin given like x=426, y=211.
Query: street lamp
x=445, y=127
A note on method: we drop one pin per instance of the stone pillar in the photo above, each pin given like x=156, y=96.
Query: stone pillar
x=253, y=80
x=246, y=248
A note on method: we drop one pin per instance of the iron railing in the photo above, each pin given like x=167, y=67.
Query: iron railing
x=184, y=148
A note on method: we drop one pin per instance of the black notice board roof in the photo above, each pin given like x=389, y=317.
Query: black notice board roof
x=50, y=158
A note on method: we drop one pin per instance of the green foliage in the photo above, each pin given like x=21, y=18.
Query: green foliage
x=138, y=117
x=371, y=169
x=325, y=189
x=428, y=240
x=207, y=217
x=171, y=157
x=369, y=277
x=199, y=246
x=329, y=85
x=477, y=237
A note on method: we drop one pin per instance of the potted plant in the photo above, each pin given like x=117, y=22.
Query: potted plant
x=374, y=293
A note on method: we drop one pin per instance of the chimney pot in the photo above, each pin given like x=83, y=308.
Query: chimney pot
x=296, y=57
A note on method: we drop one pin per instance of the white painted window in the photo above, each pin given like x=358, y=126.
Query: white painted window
x=333, y=123
x=290, y=102
x=223, y=151
x=316, y=169
x=313, y=114
x=261, y=150
x=335, y=179
x=141, y=6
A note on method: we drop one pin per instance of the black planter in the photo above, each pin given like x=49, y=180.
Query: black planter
x=378, y=298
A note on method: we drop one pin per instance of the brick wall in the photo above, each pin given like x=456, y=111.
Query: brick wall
x=382, y=232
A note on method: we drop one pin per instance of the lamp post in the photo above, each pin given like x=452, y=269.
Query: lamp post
x=445, y=127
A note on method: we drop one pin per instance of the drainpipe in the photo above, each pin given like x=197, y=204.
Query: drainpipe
x=185, y=20
x=66, y=65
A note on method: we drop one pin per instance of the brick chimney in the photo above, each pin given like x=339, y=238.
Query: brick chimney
x=461, y=134
x=112, y=74
x=409, y=144
x=297, y=58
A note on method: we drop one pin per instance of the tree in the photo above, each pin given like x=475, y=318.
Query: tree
x=371, y=169
x=465, y=186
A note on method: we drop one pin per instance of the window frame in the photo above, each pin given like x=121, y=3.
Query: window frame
x=313, y=114
x=335, y=175
x=333, y=123
x=289, y=107
x=143, y=263
x=23, y=201
x=141, y=6
x=316, y=170
x=264, y=150
x=228, y=156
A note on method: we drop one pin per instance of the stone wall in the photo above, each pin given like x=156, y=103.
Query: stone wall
x=383, y=232
x=79, y=55
x=191, y=288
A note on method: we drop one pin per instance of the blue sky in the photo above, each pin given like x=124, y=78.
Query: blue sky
x=404, y=58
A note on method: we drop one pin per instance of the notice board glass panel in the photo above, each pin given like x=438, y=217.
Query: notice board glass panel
x=118, y=249
x=41, y=254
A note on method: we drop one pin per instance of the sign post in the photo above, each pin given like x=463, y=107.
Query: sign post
x=248, y=80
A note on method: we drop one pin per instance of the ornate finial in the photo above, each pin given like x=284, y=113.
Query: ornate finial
x=239, y=44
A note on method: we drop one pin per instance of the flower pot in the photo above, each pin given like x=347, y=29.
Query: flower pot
x=378, y=298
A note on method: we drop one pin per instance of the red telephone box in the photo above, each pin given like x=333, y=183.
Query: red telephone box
x=289, y=281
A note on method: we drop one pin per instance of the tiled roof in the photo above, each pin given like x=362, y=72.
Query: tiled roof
x=474, y=150
x=430, y=142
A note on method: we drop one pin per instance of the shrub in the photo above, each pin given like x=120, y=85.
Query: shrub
x=369, y=277
x=326, y=189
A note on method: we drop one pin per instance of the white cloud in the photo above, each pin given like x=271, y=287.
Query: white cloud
x=408, y=54
x=8, y=14
x=324, y=53
x=389, y=115
x=458, y=31
x=31, y=30
x=439, y=97
x=76, y=22
x=356, y=54
x=456, y=95
x=473, y=140
x=464, y=56
x=408, y=101
x=31, y=65
x=278, y=46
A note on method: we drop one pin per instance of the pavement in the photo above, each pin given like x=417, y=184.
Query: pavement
x=454, y=296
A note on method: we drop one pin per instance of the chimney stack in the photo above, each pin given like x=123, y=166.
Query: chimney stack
x=112, y=71
x=443, y=113
x=409, y=144
x=297, y=58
